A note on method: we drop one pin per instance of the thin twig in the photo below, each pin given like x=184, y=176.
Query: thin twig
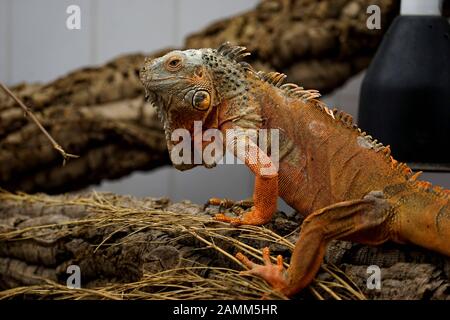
x=28, y=112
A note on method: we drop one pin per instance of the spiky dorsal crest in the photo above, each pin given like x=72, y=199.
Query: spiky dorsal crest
x=246, y=66
x=295, y=91
x=435, y=190
x=238, y=53
x=274, y=78
x=428, y=187
x=347, y=120
x=344, y=117
x=235, y=53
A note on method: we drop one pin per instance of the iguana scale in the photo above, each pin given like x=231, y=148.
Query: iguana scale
x=346, y=184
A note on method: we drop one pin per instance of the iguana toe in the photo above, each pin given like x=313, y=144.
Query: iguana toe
x=274, y=274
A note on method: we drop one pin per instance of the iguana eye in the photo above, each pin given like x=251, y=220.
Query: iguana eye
x=173, y=63
x=201, y=100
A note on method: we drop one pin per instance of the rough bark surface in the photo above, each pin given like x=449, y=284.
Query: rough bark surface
x=129, y=250
x=99, y=113
x=49, y=251
x=318, y=44
x=407, y=272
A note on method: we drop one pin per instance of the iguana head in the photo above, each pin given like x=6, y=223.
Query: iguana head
x=187, y=86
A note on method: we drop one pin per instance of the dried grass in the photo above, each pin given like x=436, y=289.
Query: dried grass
x=180, y=283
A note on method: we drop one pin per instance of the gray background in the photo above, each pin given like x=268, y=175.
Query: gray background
x=35, y=45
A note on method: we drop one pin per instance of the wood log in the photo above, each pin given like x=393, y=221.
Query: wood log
x=407, y=272
x=99, y=113
x=318, y=44
x=141, y=248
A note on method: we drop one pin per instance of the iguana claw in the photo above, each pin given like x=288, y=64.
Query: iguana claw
x=252, y=217
x=274, y=274
x=234, y=221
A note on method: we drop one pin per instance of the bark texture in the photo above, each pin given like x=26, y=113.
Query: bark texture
x=46, y=252
x=407, y=272
x=118, y=239
x=318, y=44
x=99, y=113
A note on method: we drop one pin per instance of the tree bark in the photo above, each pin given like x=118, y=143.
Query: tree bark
x=318, y=44
x=100, y=115
x=97, y=113
x=407, y=272
x=122, y=239
x=47, y=251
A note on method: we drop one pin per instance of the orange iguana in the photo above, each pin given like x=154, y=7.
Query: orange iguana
x=344, y=182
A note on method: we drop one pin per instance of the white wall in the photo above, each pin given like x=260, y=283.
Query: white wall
x=35, y=45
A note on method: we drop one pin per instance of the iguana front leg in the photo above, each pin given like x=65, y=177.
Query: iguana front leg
x=265, y=193
x=364, y=220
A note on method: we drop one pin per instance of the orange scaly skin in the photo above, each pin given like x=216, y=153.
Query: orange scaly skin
x=345, y=184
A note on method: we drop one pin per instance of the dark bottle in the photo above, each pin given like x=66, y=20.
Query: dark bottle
x=405, y=95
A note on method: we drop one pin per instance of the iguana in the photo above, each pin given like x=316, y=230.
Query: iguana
x=346, y=184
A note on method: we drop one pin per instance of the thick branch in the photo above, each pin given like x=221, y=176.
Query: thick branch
x=99, y=113
x=318, y=44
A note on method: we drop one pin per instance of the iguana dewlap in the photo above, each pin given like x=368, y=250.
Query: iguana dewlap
x=346, y=184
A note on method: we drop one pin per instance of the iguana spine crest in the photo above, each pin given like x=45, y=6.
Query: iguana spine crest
x=344, y=182
x=292, y=90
